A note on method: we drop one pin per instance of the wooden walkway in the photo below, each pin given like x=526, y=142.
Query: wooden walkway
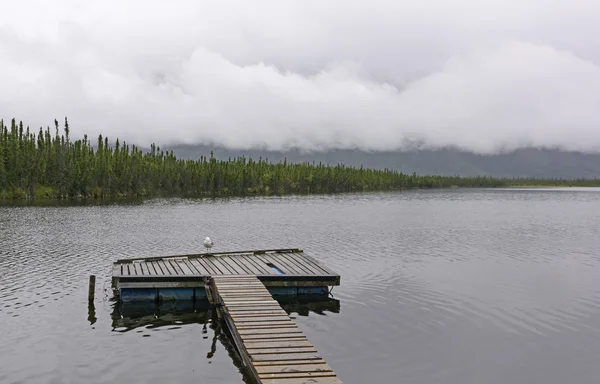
x=269, y=342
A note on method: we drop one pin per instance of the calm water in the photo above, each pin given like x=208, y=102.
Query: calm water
x=485, y=286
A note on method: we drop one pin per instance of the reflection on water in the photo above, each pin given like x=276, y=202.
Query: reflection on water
x=129, y=316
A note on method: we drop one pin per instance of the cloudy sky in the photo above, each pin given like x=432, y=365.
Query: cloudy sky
x=483, y=75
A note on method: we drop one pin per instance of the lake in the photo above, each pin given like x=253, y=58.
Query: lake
x=441, y=286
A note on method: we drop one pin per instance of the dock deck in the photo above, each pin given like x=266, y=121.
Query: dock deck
x=271, y=346
x=183, y=277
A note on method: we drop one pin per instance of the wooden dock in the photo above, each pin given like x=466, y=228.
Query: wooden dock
x=272, y=347
x=184, y=277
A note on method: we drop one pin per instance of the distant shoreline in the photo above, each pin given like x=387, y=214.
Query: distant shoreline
x=49, y=166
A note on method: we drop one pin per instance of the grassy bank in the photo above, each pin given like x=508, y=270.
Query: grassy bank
x=48, y=165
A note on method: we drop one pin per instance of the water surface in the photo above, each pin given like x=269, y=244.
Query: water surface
x=456, y=286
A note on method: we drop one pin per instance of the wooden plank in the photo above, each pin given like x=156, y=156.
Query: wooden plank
x=282, y=266
x=263, y=336
x=287, y=356
x=305, y=269
x=206, y=261
x=149, y=269
x=165, y=268
x=258, y=319
x=173, y=265
x=290, y=362
x=220, y=266
x=235, y=278
x=269, y=331
x=252, y=305
x=300, y=378
x=314, y=380
x=242, y=314
x=258, y=266
x=157, y=268
x=192, y=268
x=238, y=295
x=117, y=270
x=250, y=300
x=242, y=288
x=323, y=367
x=277, y=344
x=232, y=267
x=202, y=265
x=297, y=269
x=306, y=264
x=272, y=325
x=320, y=269
x=318, y=263
x=193, y=255
x=185, y=268
x=266, y=351
x=240, y=269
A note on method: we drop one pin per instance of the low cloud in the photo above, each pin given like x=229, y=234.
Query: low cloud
x=484, y=76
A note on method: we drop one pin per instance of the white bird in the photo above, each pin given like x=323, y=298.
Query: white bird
x=208, y=243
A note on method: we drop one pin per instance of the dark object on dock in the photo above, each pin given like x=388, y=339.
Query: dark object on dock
x=284, y=272
x=272, y=347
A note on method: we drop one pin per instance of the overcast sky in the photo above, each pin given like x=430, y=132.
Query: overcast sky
x=484, y=75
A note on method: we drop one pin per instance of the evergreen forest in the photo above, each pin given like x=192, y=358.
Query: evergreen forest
x=47, y=164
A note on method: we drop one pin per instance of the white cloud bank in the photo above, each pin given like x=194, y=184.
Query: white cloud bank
x=483, y=75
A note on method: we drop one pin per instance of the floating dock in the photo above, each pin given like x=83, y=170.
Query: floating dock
x=272, y=347
x=284, y=272
x=243, y=286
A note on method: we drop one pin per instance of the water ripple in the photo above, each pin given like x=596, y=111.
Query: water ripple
x=437, y=286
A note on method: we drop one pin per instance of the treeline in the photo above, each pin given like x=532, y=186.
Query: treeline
x=48, y=164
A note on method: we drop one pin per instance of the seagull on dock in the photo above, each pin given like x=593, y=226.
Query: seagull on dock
x=208, y=243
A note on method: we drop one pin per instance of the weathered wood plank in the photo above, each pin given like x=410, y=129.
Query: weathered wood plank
x=299, y=378
x=259, y=319
x=277, y=344
x=158, y=268
x=312, y=380
x=166, y=268
x=273, y=336
x=315, y=268
x=301, y=266
x=287, y=356
x=259, y=266
x=266, y=351
x=185, y=270
x=287, y=362
x=277, y=263
x=261, y=326
x=217, y=263
x=268, y=312
x=265, y=369
x=202, y=266
x=269, y=331
x=235, y=264
x=173, y=265
x=231, y=266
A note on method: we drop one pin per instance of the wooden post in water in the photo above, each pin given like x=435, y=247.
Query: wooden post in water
x=92, y=288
